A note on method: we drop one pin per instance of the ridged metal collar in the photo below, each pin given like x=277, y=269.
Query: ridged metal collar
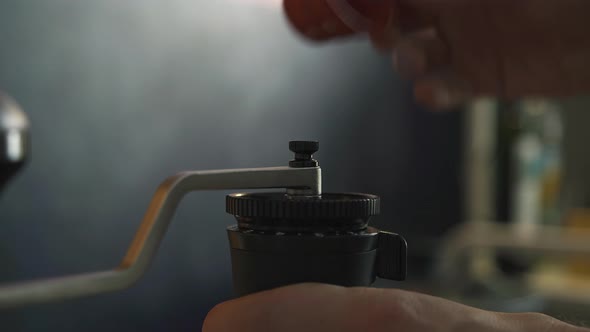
x=279, y=205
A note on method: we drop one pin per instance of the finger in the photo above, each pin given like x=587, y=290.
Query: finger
x=325, y=308
x=362, y=15
x=326, y=19
x=416, y=15
x=314, y=19
x=442, y=91
x=379, y=12
x=420, y=53
x=404, y=18
x=311, y=308
x=385, y=35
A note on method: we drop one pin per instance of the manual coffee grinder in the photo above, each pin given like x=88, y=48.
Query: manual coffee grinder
x=298, y=234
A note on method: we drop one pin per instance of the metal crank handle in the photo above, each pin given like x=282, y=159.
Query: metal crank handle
x=152, y=230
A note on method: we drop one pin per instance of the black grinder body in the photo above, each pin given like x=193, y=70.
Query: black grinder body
x=263, y=260
x=286, y=238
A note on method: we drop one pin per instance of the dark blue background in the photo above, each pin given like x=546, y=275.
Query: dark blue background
x=122, y=94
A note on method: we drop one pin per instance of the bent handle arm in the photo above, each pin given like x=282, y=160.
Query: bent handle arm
x=152, y=230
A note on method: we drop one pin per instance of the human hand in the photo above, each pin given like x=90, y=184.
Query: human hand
x=326, y=308
x=457, y=49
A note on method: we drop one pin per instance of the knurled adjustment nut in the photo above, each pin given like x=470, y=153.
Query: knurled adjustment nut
x=304, y=151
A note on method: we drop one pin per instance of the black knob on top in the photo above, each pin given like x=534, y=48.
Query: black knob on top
x=304, y=151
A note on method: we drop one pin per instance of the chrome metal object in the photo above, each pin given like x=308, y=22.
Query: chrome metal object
x=14, y=139
x=152, y=229
x=14, y=131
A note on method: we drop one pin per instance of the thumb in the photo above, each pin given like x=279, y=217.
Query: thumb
x=326, y=308
x=305, y=307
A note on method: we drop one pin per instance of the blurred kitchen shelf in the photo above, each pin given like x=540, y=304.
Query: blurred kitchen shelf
x=556, y=283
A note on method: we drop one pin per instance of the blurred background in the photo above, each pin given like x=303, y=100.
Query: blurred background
x=123, y=94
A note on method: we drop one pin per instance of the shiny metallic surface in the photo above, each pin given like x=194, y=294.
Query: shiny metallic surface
x=14, y=131
x=152, y=230
x=11, y=115
x=14, y=145
x=302, y=193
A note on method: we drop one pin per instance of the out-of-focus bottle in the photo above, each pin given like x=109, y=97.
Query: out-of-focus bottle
x=538, y=164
